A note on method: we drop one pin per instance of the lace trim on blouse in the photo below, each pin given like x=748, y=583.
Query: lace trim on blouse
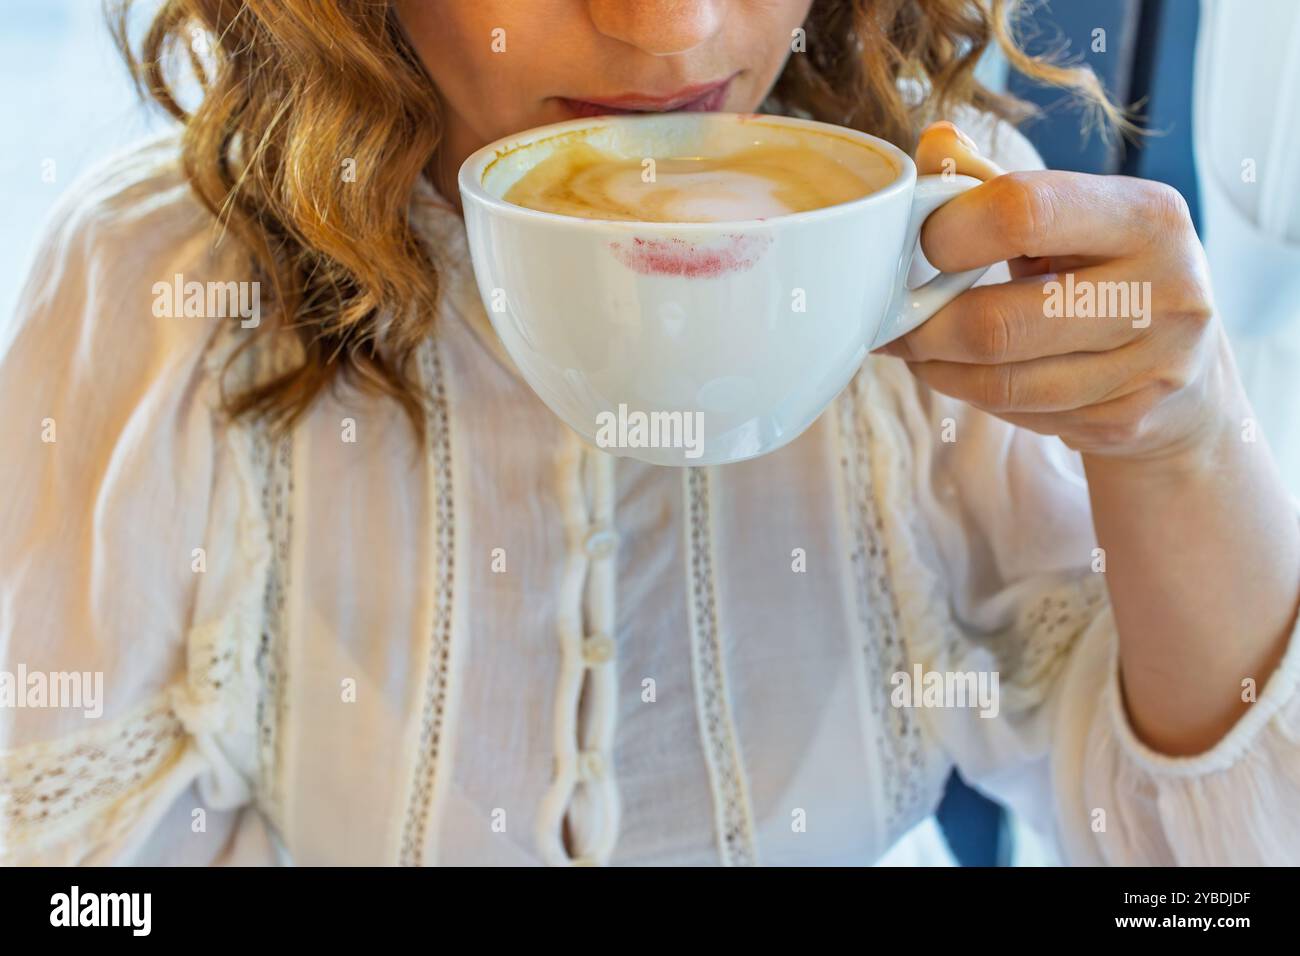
x=415, y=830
x=1055, y=620
x=897, y=734
x=737, y=845
x=87, y=784
x=273, y=460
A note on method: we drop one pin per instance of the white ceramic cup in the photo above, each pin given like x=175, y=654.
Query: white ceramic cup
x=698, y=343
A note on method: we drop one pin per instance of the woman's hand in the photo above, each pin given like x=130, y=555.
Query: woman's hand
x=1106, y=336
x=1200, y=535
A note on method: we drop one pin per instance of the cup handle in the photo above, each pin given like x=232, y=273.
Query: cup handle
x=910, y=307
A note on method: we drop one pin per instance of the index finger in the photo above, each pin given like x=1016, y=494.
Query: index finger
x=1048, y=213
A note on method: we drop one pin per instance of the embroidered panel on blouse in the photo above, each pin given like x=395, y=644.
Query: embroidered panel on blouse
x=437, y=667
x=895, y=730
x=273, y=461
x=733, y=813
x=87, y=784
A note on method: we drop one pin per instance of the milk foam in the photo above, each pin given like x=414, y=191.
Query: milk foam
x=758, y=182
x=694, y=195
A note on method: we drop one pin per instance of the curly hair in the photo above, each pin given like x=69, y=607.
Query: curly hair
x=290, y=89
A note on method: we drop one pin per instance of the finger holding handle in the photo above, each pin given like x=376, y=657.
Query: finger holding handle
x=947, y=163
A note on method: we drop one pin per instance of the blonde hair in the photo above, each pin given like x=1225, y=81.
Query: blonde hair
x=289, y=89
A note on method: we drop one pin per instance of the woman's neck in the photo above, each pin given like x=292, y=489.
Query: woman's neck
x=458, y=142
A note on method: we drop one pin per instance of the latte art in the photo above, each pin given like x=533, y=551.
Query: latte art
x=758, y=182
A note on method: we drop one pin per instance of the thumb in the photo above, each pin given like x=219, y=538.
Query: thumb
x=943, y=148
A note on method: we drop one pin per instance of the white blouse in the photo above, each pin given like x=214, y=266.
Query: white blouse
x=511, y=648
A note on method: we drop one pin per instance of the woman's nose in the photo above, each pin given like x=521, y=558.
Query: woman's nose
x=659, y=27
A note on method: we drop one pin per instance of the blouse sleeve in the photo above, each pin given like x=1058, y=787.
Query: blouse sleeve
x=992, y=540
x=131, y=552
x=990, y=537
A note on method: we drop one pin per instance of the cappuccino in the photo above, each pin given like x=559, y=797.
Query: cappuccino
x=756, y=182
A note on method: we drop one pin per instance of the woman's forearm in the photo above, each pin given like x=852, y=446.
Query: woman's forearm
x=1201, y=537
x=1203, y=567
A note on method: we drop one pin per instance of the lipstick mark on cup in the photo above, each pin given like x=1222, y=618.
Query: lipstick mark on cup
x=695, y=260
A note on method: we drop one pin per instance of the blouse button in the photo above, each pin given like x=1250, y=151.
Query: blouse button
x=597, y=649
x=601, y=543
x=590, y=766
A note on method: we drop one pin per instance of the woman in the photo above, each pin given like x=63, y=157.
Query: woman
x=422, y=623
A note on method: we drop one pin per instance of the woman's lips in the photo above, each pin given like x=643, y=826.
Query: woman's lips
x=707, y=98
